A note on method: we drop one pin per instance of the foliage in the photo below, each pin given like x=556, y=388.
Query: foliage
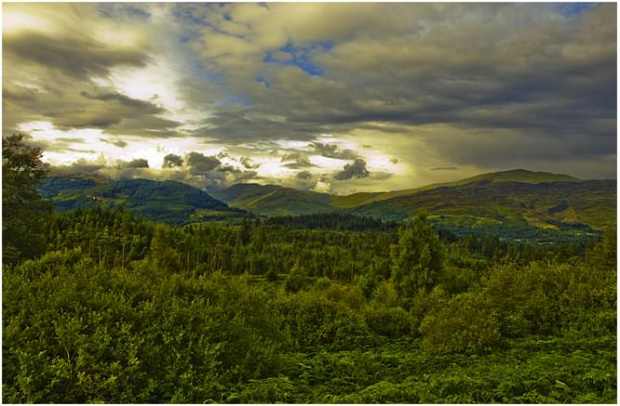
x=24, y=211
x=122, y=310
x=417, y=259
x=463, y=324
x=168, y=202
x=332, y=221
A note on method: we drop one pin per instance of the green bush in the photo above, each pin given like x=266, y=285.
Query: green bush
x=390, y=322
x=315, y=321
x=464, y=324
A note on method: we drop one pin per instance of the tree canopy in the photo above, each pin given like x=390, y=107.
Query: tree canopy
x=24, y=210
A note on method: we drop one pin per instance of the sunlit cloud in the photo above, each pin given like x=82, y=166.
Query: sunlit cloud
x=313, y=87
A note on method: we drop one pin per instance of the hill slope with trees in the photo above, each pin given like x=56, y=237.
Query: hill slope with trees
x=323, y=308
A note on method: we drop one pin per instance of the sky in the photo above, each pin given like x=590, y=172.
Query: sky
x=330, y=97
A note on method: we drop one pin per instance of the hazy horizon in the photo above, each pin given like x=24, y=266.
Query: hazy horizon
x=336, y=98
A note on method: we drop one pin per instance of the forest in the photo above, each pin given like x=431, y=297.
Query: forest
x=102, y=306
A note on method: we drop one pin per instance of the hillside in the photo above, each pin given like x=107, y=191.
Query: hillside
x=273, y=200
x=517, y=203
x=551, y=206
x=169, y=202
x=515, y=175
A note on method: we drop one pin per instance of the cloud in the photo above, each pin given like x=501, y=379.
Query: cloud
x=75, y=57
x=292, y=156
x=200, y=163
x=79, y=167
x=136, y=163
x=300, y=160
x=356, y=169
x=333, y=151
x=305, y=175
x=172, y=160
x=444, y=168
x=480, y=86
x=248, y=163
x=125, y=101
x=116, y=142
x=322, y=186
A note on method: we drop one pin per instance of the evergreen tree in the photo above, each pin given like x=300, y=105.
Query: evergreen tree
x=24, y=210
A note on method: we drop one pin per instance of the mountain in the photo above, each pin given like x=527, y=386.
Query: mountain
x=518, y=202
x=515, y=200
x=515, y=175
x=274, y=200
x=168, y=202
x=550, y=205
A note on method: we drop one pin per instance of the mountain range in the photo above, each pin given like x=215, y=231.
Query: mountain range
x=167, y=202
x=517, y=198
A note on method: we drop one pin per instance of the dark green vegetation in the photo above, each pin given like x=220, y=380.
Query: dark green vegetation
x=516, y=205
x=123, y=310
x=273, y=200
x=169, y=202
x=323, y=308
x=24, y=212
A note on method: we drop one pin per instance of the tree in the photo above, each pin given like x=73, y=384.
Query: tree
x=417, y=260
x=296, y=278
x=24, y=210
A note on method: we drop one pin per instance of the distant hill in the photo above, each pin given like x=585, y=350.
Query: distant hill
x=501, y=202
x=550, y=205
x=515, y=175
x=168, y=202
x=516, y=199
x=273, y=200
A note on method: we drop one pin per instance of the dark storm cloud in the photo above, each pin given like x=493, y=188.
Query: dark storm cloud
x=236, y=125
x=138, y=105
x=75, y=57
x=112, y=112
x=172, y=160
x=488, y=67
x=200, y=163
x=357, y=169
x=136, y=163
x=51, y=64
x=474, y=85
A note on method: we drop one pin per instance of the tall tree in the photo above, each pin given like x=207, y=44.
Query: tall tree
x=417, y=260
x=24, y=211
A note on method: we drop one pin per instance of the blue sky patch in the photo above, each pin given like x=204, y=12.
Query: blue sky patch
x=571, y=9
x=301, y=57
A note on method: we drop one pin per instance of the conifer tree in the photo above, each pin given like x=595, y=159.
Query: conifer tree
x=24, y=210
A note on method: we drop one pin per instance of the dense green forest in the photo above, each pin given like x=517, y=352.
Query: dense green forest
x=327, y=308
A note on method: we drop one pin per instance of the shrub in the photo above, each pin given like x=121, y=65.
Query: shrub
x=464, y=324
